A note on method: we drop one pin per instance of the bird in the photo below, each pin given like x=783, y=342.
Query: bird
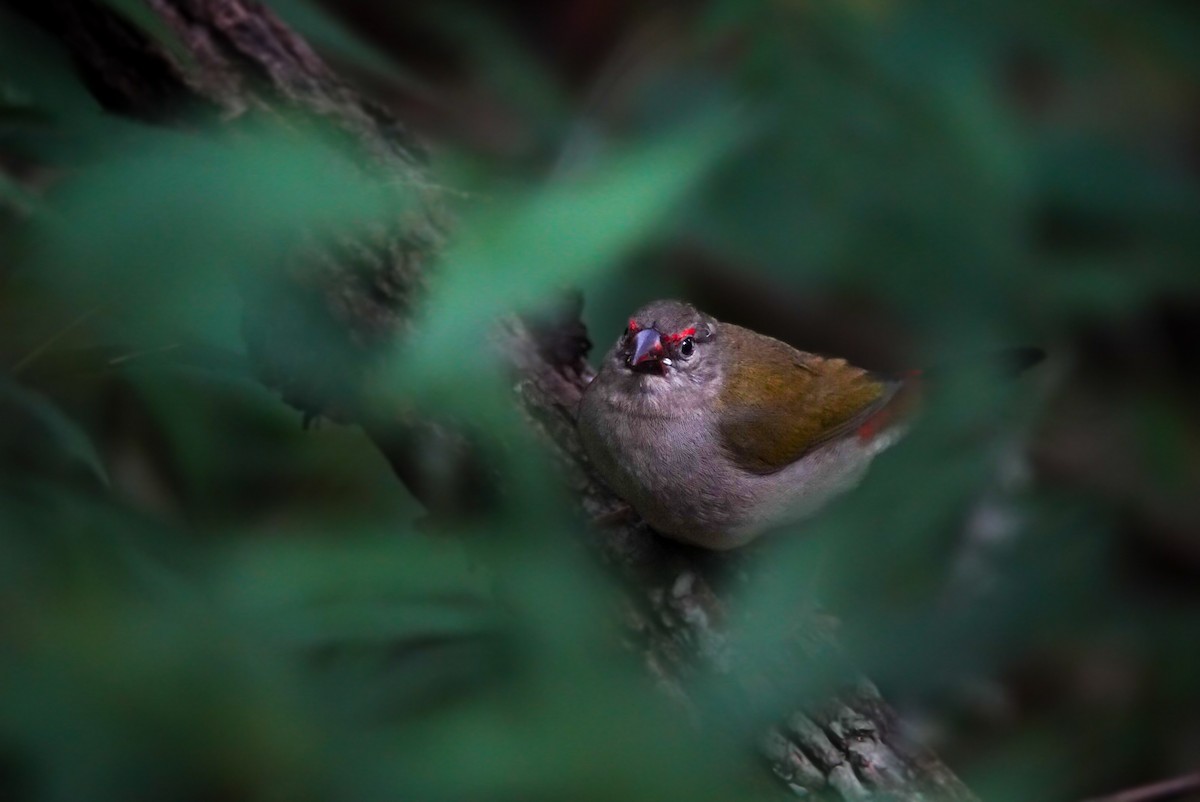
x=715, y=433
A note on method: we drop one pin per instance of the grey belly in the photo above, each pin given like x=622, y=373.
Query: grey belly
x=673, y=484
x=686, y=492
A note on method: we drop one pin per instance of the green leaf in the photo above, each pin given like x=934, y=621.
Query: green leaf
x=62, y=433
x=521, y=248
x=164, y=231
x=326, y=32
x=140, y=14
x=13, y=195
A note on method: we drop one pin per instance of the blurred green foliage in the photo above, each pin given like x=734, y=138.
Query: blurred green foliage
x=198, y=600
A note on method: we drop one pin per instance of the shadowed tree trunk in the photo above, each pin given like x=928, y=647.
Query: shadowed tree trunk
x=360, y=294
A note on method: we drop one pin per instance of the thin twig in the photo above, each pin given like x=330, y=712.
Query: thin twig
x=1167, y=789
x=27, y=360
x=123, y=358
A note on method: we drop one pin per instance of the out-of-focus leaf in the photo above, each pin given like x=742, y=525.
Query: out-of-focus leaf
x=63, y=434
x=163, y=234
x=13, y=195
x=324, y=30
x=139, y=13
x=522, y=248
x=293, y=575
x=498, y=58
x=37, y=72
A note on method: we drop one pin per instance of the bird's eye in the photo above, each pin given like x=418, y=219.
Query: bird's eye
x=687, y=347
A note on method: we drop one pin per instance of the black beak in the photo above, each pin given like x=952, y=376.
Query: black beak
x=647, y=348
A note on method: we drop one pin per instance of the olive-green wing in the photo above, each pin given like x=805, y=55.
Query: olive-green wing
x=778, y=403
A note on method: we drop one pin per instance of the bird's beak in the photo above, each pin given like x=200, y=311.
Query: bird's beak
x=647, y=348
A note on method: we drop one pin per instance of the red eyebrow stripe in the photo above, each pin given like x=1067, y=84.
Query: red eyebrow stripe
x=633, y=326
x=683, y=335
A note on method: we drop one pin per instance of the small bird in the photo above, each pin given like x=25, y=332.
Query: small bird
x=713, y=432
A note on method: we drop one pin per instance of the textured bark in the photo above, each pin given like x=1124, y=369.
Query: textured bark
x=362, y=291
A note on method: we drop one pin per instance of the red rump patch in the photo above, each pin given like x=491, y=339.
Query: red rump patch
x=901, y=406
x=680, y=336
x=874, y=425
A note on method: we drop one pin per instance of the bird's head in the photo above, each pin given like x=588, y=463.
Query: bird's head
x=667, y=345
